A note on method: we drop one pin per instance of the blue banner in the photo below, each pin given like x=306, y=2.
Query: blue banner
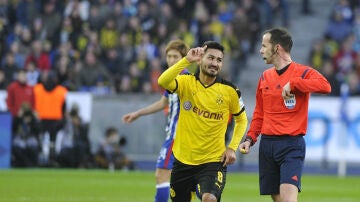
x=5, y=140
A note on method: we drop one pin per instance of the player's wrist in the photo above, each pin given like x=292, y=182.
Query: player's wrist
x=232, y=149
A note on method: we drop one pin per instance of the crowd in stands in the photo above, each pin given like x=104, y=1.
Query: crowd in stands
x=337, y=53
x=116, y=46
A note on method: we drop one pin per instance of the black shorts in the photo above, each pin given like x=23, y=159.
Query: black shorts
x=207, y=178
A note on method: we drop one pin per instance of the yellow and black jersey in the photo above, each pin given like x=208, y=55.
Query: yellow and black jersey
x=203, y=119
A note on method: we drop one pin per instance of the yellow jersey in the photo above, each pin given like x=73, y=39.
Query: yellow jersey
x=204, y=115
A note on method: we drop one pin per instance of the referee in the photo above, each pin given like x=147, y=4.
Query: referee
x=281, y=116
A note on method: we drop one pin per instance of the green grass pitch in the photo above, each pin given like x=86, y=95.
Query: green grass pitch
x=62, y=185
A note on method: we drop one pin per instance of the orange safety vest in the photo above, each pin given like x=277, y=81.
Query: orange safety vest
x=49, y=104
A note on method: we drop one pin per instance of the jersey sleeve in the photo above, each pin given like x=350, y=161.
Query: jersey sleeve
x=258, y=115
x=311, y=81
x=236, y=105
x=240, y=126
x=240, y=119
x=167, y=78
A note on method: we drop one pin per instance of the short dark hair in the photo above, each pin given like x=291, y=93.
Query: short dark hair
x=213, y=45
x=280, y=36
x=110, y=131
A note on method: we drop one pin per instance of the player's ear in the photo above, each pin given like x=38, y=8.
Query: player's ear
x=276, y=48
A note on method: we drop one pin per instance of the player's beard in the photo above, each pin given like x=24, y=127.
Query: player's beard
x=207, y=72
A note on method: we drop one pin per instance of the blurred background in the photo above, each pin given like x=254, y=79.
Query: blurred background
x=106, y=56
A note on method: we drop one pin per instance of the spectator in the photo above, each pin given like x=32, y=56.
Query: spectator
x=26, y=11
x=136, y=78
x=154, y=7
x=119, y=16
x=93, y=44
x=216, y=27
x=18, y=56
x=329, y=73
x=126, y=51
x=94, y=18
x=344, y=60
x=306, y=7
x=72, y=141
x=66, y=50
x=105, y=10
x=183, y=9
x=343, y=7
x=110, y=154
x=147, y=47
x=62, y=69
x=113, y=63
x=239, y=50
x=18, y=94
x=184, y=33
x=357, y=65
x=331, y=47
x=76, y=23
x=9, y=67
x=354, y=84
x=317, y=54
x=47, y=49
x=32, y=73
x=124, y=85
x=25, y=42
x=225, y=12
x=26, y=144
x=162, y=35
x=338, y=29
x=167, y=17
x=67, y=33
x=356, y=32
x=155, y=72
x=133, y=30
x=3, y=81
x=51, y=21
x=38, y=30
x=15, y=35
x=233, y=60
x=148, y=22
x=37, y=55
x=272, y=7
x=130, y=8
x=254, y=18
x=92, y=73
x=109, y=35
x=82, y=8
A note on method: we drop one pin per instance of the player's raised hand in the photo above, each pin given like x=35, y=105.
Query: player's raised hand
x=195, y=54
